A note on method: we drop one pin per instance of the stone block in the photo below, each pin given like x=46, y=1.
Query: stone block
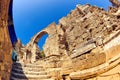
x=85, y=35
x=88, y=60
x=2, y=67
x=83, y=49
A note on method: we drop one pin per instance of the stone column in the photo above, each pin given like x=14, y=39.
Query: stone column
x=24, y=57
x=33, y=51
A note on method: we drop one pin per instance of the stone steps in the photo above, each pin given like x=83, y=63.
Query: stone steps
x=12, y=78
x=29, y=72
x=24, y=76
x=28, y=69
x=28, y=65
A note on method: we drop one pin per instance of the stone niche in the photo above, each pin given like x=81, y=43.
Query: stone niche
x=5, y=44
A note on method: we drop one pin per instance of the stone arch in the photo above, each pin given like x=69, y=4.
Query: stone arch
x=35, y=41
x=32, y=46
x=37, y=37
x=50, y=30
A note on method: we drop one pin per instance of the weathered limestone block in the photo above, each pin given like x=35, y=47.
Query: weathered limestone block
x=112, y=40
x=60, y=30
x=117, y=13
x=52, y=46
x=113, y=51
x=63, y=21
x=115, y=3
x=83, y=8
x=52, y=61
x=75, y=13
x=86, y=16
x=67, y=65
x=50, y=27
x=85, y=35
x=88, y=60
x=83, y=49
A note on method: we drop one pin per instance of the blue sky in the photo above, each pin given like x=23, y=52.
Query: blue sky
x=31, y=16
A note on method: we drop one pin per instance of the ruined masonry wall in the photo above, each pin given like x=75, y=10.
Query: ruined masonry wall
x=5, y=45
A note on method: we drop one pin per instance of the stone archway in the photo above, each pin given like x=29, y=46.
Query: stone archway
x=37, y=37
x=50, y=30
x=33, y=45
x=52, y=43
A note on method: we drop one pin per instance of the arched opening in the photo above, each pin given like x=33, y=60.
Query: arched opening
x=40, y=44
x=39, y=39
x=42, y=41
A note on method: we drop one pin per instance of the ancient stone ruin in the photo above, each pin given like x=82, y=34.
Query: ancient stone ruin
x=5, y=44
x=84, y=45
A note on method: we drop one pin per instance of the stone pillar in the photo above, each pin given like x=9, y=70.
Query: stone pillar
x=33, y=51
x=24, y=57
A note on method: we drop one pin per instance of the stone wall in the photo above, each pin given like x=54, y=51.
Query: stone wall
x=5, y=44
x=88, y=23
x=112, y=74
x=86, y=30
x=51, y=40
